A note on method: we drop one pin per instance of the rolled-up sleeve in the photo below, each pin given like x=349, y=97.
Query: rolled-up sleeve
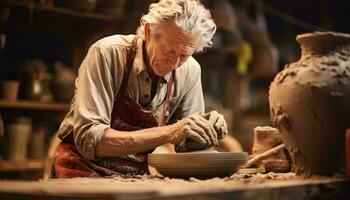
x=93, y=101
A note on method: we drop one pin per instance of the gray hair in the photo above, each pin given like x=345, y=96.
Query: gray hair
x=190, y=15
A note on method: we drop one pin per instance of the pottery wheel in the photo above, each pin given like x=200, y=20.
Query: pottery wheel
x=198, y=164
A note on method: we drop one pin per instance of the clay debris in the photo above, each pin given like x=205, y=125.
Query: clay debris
x=266, y=138
x=237, y=178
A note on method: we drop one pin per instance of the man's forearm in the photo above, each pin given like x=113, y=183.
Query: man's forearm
x=117, y=143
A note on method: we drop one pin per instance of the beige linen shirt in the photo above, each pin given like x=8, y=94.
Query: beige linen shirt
x=100, y=76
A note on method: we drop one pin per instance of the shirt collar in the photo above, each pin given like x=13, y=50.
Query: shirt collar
x=139, y=64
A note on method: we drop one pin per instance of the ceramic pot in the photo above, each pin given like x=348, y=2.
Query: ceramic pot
x=32, y=89
x=10, y=90
x=63, y=83
x=310, y=103
x=18, y=134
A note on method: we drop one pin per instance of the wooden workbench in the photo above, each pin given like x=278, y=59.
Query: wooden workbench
x=261, y=186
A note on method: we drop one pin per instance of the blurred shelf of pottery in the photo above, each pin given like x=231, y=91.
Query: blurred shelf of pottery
x=26, y=126
x=34, y=83
x=24, y=139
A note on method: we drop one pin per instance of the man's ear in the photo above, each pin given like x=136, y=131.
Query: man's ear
x=147, y=31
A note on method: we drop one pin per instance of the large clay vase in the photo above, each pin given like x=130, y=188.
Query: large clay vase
x=310, y=103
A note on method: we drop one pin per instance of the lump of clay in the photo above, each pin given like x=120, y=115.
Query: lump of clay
x=266, y=138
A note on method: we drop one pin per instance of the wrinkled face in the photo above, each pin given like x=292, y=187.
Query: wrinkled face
x=168, y=50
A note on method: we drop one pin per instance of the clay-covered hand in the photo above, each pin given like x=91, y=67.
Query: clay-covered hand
x=219, y=123
x=197, y=128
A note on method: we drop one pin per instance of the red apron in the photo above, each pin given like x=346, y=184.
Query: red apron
x=127, y=115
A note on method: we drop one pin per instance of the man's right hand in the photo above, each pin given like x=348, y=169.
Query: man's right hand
x=197, y=128
x=219, y=123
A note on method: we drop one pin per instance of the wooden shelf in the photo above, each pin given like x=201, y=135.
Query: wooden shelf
x=36, y=8
x=34, y=105
x=8, y=166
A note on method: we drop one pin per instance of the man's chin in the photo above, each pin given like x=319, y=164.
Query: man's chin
x=159, y=71
x=161, y=74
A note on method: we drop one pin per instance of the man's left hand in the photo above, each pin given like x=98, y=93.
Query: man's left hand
x=218, y=122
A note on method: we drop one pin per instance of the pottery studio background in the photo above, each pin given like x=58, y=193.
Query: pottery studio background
x=44, y=42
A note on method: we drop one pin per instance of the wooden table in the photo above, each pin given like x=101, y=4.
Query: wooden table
x=192, y=189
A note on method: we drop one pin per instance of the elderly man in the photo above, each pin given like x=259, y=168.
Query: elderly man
x=135, y=93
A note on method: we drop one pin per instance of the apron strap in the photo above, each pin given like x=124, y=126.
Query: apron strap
x=129, y=62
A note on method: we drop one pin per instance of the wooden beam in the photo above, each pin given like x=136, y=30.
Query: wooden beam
x=7, y=166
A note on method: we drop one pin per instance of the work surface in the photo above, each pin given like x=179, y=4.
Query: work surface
x=241, y=186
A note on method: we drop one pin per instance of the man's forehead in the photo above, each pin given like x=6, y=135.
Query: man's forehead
x=177, y=38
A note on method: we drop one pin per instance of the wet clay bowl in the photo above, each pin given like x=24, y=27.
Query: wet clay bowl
x=200, y=165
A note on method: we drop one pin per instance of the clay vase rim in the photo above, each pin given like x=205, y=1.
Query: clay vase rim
x=304, y=36
x=322, y=42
